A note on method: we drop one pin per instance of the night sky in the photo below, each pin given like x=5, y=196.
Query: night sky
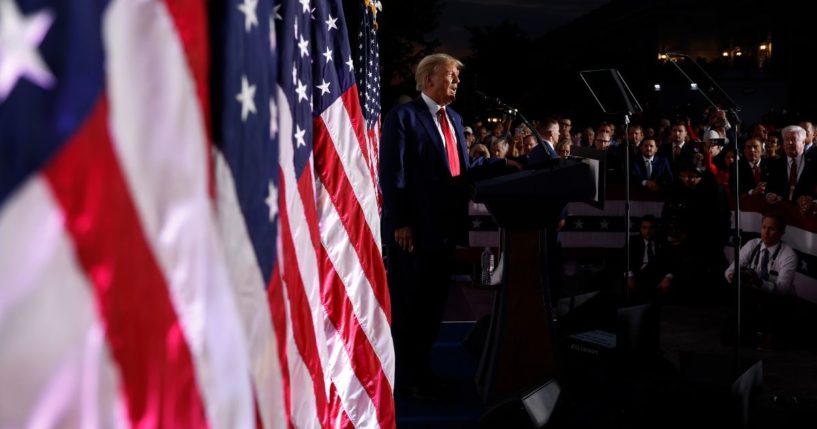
x=534, y=17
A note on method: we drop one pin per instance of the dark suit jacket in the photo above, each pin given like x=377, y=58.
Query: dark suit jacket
x=637, y=254
x=415, y=179
x=661, y=170
x=687, y=153
x=541, y=154
x=779, y=178
x=747, y=177
x=648, y=276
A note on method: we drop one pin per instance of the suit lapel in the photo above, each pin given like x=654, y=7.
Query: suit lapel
x=431, y=128
x=639, y=165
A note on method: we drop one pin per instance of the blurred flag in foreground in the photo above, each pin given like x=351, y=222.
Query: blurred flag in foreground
x=116, y=306
x=149, y=278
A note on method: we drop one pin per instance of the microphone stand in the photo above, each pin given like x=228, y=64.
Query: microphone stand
x=513, y=111
x=632, y=105
x=627, y=205
x=736, y=241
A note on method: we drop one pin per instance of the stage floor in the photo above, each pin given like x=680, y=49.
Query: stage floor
x=665, y=391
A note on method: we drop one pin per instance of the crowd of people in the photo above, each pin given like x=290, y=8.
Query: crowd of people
x=691, y=168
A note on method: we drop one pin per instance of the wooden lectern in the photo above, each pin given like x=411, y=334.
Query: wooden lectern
x=519, y=352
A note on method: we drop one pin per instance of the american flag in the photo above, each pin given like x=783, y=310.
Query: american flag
x=340, y=356
x=125, y=298
x=325, y=280
x=368, y=76
x=116, y=306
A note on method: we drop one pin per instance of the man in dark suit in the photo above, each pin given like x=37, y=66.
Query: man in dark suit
x=646, y=250
x=423, y=162
x=650, y=170
x=753, y=169
x=545, y=151
x=677, y=149
x=794, y=175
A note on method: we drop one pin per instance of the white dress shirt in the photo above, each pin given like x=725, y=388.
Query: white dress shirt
x=649, y=173
x=784, y=263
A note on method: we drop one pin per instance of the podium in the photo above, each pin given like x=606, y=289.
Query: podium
x=519, y=353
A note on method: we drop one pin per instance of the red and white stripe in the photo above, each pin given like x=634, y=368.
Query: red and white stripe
x=152, y=332
x=56, y=368
x=300, y=284
x=251, y=298
x=332, y=271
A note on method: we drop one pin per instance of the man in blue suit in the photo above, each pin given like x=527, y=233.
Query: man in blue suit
x=423, y=162
x=650, y=170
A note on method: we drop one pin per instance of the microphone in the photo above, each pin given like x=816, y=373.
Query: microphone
x=485, y=97
x=496, y=101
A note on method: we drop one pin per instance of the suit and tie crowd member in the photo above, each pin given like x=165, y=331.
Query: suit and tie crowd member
x=792, y=177
x=753, y=169
x=677, y=149
x=635, y=135
x=646, y=250
x=767, y=267
x=545, y=150
x=650, y=170
x=423, y=163
x=528, y=143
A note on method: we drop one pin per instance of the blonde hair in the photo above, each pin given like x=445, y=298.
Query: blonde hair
x=429, y=63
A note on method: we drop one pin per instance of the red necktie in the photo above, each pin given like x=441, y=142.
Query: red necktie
x=756, y=173
x=792, y=177
x=450, y=144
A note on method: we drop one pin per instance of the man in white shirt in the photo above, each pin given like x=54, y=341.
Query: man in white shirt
x=767, y=262
x=767, y=268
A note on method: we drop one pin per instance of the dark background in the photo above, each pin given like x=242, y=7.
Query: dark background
x=529, y=53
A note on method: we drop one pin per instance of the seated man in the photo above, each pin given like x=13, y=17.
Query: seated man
x=767, y=274
x=767, y=263
x=645, y=252
x=650, y=170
